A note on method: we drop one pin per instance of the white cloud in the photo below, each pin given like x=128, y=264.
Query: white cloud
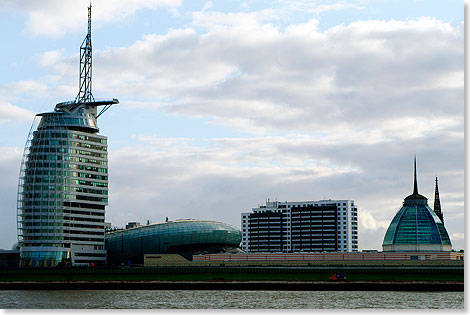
x=371, y=81
x=10, y=113
x=368, y=221
x=317, y=8
x=55, y=18
x=24, y=87
x=56, y=60
x=457, y=236
x=50, y=58
x=222, y=22
x=221, y=177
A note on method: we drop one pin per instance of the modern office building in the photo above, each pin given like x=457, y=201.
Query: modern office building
x=63, y=184
x=184, y=237
x=301, y=226
x=416, y=227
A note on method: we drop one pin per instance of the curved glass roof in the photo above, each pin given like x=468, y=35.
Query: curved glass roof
x=416, y=224
x=161, y=237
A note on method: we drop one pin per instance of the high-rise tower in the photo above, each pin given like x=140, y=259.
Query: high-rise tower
x=63, y=184
x=437, y=204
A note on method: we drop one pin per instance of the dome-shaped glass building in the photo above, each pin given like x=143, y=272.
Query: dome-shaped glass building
x=416, y=227
x=185, y=237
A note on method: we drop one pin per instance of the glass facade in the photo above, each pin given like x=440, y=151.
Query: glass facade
x=63, y=191
x=417, y=226
x=129, y=246
x=63, y=183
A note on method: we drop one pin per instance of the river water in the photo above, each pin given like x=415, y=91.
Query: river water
x=206, y=299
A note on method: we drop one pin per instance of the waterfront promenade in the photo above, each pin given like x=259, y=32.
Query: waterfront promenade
x=382, y=276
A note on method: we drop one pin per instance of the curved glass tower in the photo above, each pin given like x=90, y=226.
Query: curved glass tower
x=63, y=184
x=416, y=227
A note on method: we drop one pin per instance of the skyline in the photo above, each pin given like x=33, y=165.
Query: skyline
x=225, y=104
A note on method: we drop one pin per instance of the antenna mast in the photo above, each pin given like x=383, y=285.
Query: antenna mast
x=84, y=94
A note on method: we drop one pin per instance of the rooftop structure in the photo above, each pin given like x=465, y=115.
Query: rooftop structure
x=416, y=227
x=63, y=183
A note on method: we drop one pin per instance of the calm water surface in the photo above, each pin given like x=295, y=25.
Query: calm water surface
x=202, y=299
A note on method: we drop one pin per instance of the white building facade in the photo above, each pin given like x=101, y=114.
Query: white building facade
x=301, y=226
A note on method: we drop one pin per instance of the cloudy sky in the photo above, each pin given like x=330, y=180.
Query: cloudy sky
x=226, y=103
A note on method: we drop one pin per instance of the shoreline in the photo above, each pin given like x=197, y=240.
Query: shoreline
x=237, y=285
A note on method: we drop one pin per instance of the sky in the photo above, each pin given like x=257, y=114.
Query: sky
x=224, y=104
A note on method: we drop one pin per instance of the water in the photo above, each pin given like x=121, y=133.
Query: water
x=205, y=299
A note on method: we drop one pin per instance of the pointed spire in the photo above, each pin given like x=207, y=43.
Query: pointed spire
x=415, y=189
x=415, y=194
x=437, y=204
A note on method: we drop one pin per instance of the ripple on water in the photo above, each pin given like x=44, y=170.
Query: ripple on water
x=206, y=299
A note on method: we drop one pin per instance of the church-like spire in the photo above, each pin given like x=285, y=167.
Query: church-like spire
x=437, y=204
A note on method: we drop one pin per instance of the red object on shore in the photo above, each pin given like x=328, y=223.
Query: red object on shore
x=338, y=276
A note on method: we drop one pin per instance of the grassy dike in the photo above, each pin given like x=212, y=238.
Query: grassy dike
x=445, y=278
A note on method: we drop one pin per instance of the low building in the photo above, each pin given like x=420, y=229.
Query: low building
x=301, y=226
x=184, y=237
x=331, y=257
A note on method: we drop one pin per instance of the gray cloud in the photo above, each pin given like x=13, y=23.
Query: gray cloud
x=10, y=113
x=54, y=18
x=350, y=106
x=353, y=78
x=10, y=159
x=231, y=176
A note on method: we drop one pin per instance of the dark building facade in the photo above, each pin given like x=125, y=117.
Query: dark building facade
x=268, y=231
x=310, y=226
x=314, y=229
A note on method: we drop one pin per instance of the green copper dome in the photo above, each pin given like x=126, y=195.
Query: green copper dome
x=416, y=227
